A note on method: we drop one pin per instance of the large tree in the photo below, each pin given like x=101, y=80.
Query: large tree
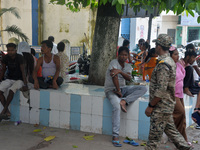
x=108, y=21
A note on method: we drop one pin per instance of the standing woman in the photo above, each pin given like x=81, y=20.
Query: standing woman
x=179, y=109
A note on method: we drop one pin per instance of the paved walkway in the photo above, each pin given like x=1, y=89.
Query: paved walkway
x=22, y=137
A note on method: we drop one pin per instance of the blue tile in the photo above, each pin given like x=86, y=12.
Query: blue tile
x=15, y=107
x=144, y=122
x=44, y=117
x=75, y=103
x=107, y=125
x=16, y=99
x=143, y=131
x=75, y=121
x=15, y=112
x=45, y=99
x=107, y=108
x=99, y=90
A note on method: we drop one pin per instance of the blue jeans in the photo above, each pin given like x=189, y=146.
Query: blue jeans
x=129, y=94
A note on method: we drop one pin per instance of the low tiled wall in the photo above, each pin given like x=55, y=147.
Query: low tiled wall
x=84, y=108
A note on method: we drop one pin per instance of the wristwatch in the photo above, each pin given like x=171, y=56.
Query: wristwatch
x=150, y=105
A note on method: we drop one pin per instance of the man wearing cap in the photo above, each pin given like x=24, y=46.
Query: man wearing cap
x=162, y=98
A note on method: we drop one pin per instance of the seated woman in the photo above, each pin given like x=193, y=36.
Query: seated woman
x=25, y=50
x=141, y=57
x=150, y=62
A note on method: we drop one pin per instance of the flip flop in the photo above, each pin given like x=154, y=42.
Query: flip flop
x=4, y=116
x=131, y=142
x=123, y=108
x=116, y=143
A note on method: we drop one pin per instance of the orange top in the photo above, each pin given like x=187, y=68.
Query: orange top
x=149, y=66
x=138, y=62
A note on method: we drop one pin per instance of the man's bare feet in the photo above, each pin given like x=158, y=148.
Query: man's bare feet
x=187, y=91
x=123, y=105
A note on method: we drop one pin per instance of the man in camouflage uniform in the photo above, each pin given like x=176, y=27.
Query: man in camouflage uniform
x=162, y=98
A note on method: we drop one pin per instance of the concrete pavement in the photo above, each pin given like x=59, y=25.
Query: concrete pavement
x=22, y=137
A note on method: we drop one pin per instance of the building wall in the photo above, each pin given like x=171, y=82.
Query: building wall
x=64, y=24
x=54, y=20
x=25, y=23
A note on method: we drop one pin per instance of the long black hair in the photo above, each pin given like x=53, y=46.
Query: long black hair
x=29, y=63
x=150, y=54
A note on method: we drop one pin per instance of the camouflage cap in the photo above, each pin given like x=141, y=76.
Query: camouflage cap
x=163, y=40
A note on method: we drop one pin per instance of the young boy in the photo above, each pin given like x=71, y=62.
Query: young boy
x=16, y=78
x=50, y=68
x=117, y=92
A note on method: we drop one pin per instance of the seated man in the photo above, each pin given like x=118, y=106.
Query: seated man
x=64, y=60
x=16, y=78
x=50, y=69
x=117, y=92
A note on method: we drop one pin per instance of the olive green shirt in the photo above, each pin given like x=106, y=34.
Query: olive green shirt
x=162, y=84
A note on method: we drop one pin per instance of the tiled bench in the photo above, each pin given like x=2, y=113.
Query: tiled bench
x=84, y=108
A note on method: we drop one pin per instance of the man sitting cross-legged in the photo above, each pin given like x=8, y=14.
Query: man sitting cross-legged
x=15, y=80
x=117, y=92
x=50, y=69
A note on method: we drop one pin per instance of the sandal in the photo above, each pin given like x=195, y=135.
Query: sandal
x=190, y=144
x=131, y=142
x=116, y=143
x=4, y=116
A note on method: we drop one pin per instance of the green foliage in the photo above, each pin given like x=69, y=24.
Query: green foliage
x=13, y=29
x=12, y=10
x=177, y=6
x=16, y=31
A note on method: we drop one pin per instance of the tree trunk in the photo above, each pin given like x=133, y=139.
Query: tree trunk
x=104, y=42
x=149, y=28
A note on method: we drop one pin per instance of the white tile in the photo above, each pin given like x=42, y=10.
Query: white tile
x=64, y=102
x=86, y=122
x=97, y=124
x=23, y=100
x=35, y=98
x=122, y=131
x=64, y=119
x=132, y=129
x=123, y=115
x=34, y=116
x=24, y=114
x=86, y=104
x=54, y=100
x=54, y=118
x=97, y=105
x=133, y=110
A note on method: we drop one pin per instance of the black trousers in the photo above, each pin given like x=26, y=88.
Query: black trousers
x=45, y=85
x=189, y=81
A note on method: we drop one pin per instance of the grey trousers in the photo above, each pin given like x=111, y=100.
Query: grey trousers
x=129, y=94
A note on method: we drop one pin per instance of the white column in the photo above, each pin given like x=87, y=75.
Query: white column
x=184, y=35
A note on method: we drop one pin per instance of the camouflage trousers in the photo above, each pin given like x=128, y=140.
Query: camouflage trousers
x=159, y=123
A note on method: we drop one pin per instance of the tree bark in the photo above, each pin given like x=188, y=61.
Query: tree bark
x=104, y=42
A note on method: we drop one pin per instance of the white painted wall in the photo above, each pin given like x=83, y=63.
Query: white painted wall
x=25, y=23
x=61, y=23
x=57, y=21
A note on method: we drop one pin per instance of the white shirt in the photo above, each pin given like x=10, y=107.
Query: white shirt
x=54, y=49
x=109, y=85
x=196, y=76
